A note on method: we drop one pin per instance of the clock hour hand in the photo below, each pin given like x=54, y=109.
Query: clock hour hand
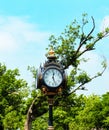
x=53, y=78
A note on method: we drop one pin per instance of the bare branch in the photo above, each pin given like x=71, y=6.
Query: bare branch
x=83, y=52
x=86, y=38
x=100, y=74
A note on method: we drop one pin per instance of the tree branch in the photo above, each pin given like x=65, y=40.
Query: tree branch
x=76, y=55
x=86, y=38
x=29, y=113
x=33, y=111
x=100, y=74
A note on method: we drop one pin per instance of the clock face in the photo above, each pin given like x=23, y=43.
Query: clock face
x=52, y=77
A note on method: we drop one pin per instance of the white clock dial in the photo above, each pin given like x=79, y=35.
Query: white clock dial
x=52, y=77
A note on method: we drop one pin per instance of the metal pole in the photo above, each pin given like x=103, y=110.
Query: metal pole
x=50, y=121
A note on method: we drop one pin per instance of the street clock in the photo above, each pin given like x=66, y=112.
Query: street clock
x=51, y=78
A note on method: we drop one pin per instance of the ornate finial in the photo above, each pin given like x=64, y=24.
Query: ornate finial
x=51, y=54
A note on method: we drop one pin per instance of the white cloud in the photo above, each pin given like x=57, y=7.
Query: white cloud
x=105, y=23
x=15, y=31
x=98, y=85
x=93, y=65
x=7, y=42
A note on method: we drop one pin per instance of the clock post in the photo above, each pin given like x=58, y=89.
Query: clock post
x=51, y=79
x=50, y=121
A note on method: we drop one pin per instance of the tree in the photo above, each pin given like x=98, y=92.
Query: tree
x=69, y=47
x=105, y=110
x=36, y=104
x=12, y=98
x=90, y=116
x=66, y=111
x=73, y=43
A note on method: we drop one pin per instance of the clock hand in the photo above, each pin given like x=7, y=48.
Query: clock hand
x=53, y=78
x=53, y=75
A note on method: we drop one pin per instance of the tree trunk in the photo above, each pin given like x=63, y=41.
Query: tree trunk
x=28, y=122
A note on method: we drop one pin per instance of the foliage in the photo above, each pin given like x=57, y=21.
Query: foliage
x=18, y=104
x=70, y=112
x=69, y=47
x=40, y=121
x=73, y=43
x=90, y=116
x=105, y=110
x=12, y=98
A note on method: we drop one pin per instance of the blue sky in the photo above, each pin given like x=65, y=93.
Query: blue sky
x=25, y=27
